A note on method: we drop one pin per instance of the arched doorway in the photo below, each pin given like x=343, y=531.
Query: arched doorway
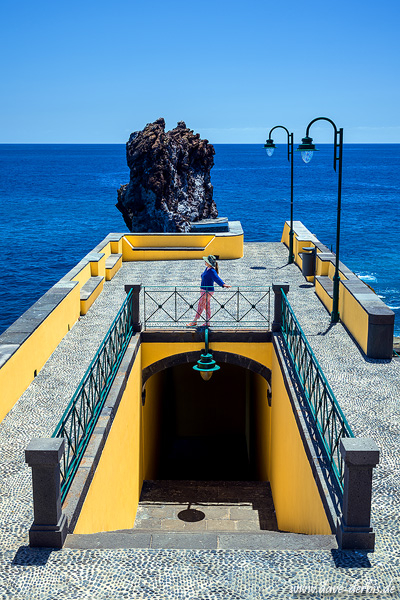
x=204, y=446
x=197, y=430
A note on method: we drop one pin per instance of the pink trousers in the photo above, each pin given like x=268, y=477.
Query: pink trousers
x=204, y=303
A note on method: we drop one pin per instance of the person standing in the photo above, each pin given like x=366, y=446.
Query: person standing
x=208, y=278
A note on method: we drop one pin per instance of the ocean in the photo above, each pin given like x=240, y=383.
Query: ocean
x=58, y=201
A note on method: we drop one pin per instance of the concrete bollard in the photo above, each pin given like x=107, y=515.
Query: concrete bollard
x=135, y=307
x=276, y=288
x=49, y=528
x=360, y=456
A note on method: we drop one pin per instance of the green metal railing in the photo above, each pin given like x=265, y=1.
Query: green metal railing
x=169, y=306
x=329, y=418
x=80, y=417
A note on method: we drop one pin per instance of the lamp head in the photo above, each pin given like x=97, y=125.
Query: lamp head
x=307, y=148
x=269, y=147
x=206, y=365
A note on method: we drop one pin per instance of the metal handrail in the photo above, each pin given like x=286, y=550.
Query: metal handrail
x=173, y=306
x=331, y=423
x=80, y=417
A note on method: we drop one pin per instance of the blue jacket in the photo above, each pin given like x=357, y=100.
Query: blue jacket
x=207, y=279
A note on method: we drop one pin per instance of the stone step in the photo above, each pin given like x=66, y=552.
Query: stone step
x=90, y=286
x=265, y=540
x=112, y=260
x=326, y=283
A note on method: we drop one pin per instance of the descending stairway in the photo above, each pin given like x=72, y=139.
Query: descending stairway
x=204, y=515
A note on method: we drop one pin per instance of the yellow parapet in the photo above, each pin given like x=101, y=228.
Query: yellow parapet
x=354, y=316
x=297, y=501
x=183, y=246
x=110, y=272
x=25, y=362
x=362, y=312
x=113, y=495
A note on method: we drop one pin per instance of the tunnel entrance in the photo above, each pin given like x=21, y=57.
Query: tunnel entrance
x=201, y=430
x=204, y=449
x=204, y=426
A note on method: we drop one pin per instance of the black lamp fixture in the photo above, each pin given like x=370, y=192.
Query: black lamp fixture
x=270, y=147
x=307, y=149
x=206, y=365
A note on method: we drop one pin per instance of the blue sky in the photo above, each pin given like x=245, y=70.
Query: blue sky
x=94, y=71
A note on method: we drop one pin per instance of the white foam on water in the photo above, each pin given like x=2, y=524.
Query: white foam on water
x=368, y=277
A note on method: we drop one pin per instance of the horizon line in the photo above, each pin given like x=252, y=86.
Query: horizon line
x=213, y=143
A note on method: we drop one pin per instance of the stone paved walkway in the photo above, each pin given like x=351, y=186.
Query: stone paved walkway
x=198, y=506
x=368, y=391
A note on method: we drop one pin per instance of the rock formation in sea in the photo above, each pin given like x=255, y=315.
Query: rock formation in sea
x=170, y=183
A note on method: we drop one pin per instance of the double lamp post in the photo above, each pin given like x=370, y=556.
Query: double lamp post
x=307, y=148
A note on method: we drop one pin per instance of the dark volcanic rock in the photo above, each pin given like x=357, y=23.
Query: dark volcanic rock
x=170, y=183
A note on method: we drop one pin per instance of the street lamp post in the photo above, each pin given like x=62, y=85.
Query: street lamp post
x=307, y=148
x=270, y=147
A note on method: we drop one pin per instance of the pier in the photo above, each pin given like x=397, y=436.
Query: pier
x=244, y=564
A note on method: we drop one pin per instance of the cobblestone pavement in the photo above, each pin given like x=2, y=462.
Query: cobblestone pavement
x=368, y=391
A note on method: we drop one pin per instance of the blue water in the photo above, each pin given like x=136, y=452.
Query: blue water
x=58, y=201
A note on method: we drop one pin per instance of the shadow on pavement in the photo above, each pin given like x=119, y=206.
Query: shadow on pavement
x=35, y=557
x=350, y=559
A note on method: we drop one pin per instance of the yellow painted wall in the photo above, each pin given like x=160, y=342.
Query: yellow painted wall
x=354, y=316
x=166, y=240
x=323, y=296
x=86, y=304
x=111, y=272
x=285, y=234
x=131, y=449
x=225, y=246
x=113, y=496
x=281, y=455
x=351, y=313
x=18, y=372
x=331, y=271
x=83, y=276
x=116, y=247
x=152, y=352
x=106, y=250
x=151, y=420
x=263, y=426
x=98, y=267
x=298, y=505
x=322, y=267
